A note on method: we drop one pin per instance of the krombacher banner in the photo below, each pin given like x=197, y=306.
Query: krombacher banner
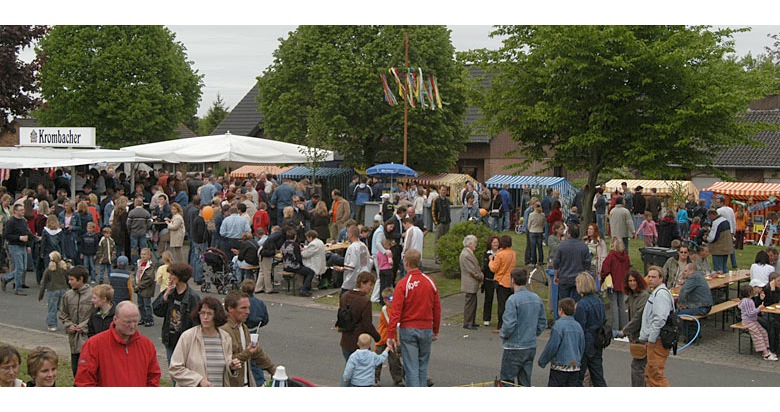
x=61, y=137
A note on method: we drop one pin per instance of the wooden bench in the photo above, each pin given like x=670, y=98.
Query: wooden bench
x=289, y=279
x=723, y=308
x=742, y=329
x=254, y=270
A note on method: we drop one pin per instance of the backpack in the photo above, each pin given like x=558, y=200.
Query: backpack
x=670, y=332
x=603, y=336
x=344, y=319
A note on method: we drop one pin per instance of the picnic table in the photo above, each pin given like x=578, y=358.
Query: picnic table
x=716, y=281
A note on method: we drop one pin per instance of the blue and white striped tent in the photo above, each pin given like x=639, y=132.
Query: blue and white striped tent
x=537, y=184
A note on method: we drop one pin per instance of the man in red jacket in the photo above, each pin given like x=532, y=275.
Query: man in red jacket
x=417, y=314
x=119, y=356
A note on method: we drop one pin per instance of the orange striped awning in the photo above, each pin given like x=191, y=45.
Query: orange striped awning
x=746, y=190
x=245, y=170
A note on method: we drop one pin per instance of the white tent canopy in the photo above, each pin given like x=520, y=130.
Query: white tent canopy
x=37, y=157
x=226, y=148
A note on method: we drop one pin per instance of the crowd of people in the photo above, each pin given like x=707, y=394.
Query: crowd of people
x=92, y=258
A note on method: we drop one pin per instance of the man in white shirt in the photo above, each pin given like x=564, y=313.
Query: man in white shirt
x=719, y=202
x=356, y=260
x=413, y=237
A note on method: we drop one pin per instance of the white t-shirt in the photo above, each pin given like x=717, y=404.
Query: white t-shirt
x=761, y=272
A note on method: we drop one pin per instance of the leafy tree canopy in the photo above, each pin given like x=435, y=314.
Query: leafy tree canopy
x=134, y=84
x=326, y=80
x=18, y=80
x=596, y=97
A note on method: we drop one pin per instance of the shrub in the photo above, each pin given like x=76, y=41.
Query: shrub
x=449, y=246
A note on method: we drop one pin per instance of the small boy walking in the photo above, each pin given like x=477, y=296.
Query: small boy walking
x=565, y=348
x=393, y=358
x=362, y=363
x=106, y=255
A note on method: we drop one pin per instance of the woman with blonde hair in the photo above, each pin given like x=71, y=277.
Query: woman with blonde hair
x=320, y=219
x=52, y=239
x=590, y=314
x=55, y=281
x=176, y=232
x=42, y=367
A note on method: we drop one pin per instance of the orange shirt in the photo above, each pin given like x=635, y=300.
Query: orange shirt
x=502, y=265
x=742, y=223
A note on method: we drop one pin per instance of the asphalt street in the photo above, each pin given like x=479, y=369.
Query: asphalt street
x=300, y=336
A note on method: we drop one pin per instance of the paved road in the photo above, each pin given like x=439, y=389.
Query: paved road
x=300, y=337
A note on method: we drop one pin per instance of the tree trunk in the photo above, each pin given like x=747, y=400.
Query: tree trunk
x=586, y=215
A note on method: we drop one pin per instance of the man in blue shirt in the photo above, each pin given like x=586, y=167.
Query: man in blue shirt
x=281, y=198
x=233, y=227
x=504, y=192
x=208, y=190
x=523, y=321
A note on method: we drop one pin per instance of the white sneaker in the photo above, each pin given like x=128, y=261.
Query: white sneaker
x=770, y=357
x=486, y=323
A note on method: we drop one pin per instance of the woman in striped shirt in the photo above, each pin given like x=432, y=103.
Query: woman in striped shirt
x=203, y=355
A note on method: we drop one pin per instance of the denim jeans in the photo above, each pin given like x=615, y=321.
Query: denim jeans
x=516, y=366
x=720, y=263
x=600, y=223
x=617, y=307
x=594, y=363
x=197, y=260
x=54, y=298
x=568, y=291
x=495, y=223
x=415, y=352
x=688, y=326
x=104, y=268
x=683, y=229
x=19, y=257
x=537, y=250
x=89, y=264
x=559, y=379
x=145, y=307
x=257, y=373
x=136, y=243
x=505, y=223
x=733, y=260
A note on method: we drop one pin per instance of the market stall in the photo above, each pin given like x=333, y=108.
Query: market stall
x=244, y=171
x=761, y=206
x=328, y=177
x=454, y=181
x=538, y=185
x=665, y=189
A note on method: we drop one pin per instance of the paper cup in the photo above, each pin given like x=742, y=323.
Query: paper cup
x=253, y=338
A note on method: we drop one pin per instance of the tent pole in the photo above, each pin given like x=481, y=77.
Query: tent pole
x=73, y=184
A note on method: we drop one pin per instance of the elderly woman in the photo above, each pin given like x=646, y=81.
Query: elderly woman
x=590, y=314
x=42, y=367
x=9, y=367
x=501, y=264
x=470, y=278
x=313, y=255
x=176, y=232
x=203, y=356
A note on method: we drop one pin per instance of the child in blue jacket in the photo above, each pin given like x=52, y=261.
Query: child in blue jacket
x=565, y=348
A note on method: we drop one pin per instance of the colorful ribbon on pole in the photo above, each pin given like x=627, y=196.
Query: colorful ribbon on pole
x=414, y=87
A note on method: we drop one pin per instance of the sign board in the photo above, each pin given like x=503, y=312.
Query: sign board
x=61, y=137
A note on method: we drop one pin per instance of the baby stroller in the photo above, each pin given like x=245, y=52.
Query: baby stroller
x=218, y=272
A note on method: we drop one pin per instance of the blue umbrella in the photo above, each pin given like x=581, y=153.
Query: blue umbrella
x=391, y=170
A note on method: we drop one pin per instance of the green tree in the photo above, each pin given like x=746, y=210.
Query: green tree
x=18, y=80
x=332, y=74
x=592, y=98
x=217, y=113
x=134, y=84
